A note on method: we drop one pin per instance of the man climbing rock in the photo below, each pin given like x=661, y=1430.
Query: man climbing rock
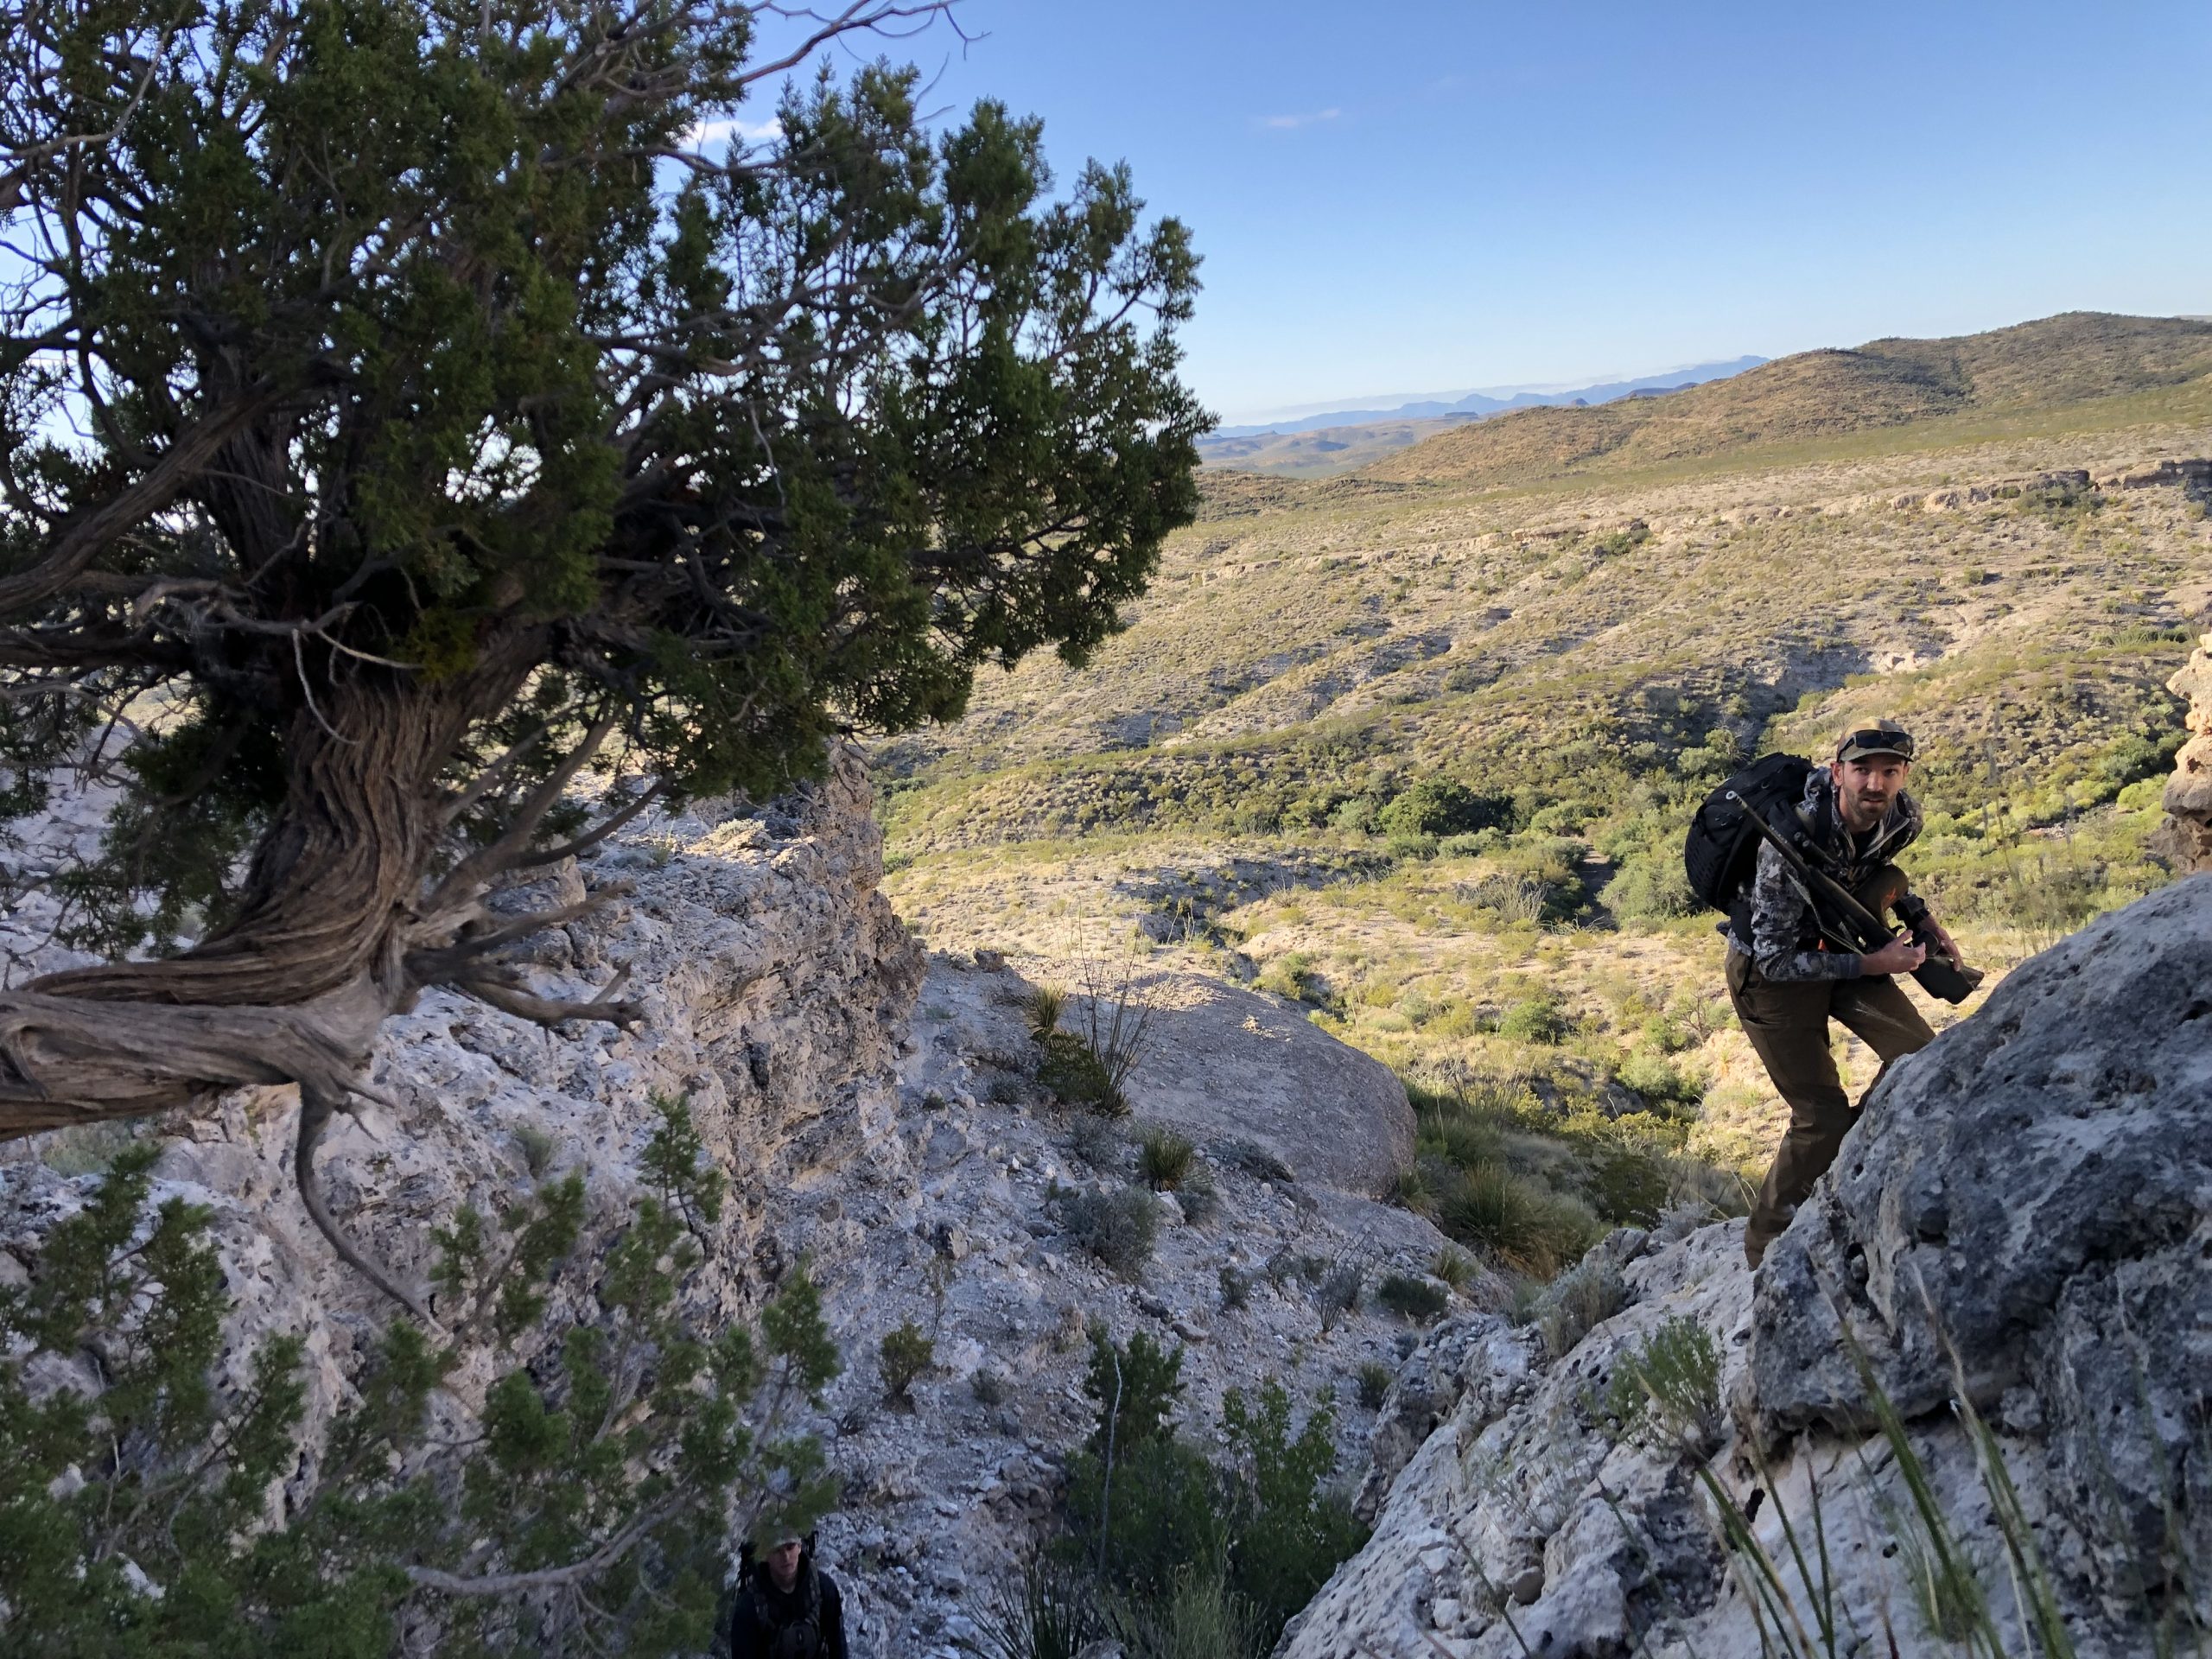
x=786, y=1606
x=1786, y=982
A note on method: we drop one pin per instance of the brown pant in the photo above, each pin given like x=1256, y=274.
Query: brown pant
x=1788, y=1024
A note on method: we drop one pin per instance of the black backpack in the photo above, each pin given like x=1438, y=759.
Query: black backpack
x=1722, y=847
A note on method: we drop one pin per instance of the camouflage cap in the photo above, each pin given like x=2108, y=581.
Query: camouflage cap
x=1882, y=737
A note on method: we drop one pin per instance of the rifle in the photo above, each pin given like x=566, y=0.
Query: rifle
x=1863, y=930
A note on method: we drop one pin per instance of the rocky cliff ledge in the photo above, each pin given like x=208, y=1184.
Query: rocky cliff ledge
x=2017, y=1241
x=877, y=1113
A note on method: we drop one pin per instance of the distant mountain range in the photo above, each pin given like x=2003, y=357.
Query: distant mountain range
x=2050, y=364
x=1477, y=404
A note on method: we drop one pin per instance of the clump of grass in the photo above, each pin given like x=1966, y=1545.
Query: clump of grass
x=1413, y=1190
x=904, y=1355
x=536, y=1147
x=1097, y=1143
x=1374, y=1382
x=1164, y=1158
x=1411, y=1297
x=1119, y=1226
x=1201, y=1201
x=987, y=1386
x=1577, y=1302
x=1675, y=1378
x=1454, y=1267
x=1235, y=1290
x=1516, y=1220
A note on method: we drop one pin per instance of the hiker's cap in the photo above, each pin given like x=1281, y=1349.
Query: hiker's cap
x=1883, y=737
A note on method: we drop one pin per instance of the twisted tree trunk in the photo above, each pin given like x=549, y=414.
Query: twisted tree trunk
x=345, y=919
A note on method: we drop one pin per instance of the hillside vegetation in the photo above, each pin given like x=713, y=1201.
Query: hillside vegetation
x=1418, y=755
x=2053, y=363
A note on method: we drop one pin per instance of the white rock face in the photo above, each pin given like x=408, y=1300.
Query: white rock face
x=2035, y=1187
x=885, y=1127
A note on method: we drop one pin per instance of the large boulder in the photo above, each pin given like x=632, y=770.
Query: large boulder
x=2021, y=1223
x=1225, y=1064
x=2024, y=1216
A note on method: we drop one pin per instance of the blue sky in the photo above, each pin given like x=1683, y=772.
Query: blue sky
x=1406, y=197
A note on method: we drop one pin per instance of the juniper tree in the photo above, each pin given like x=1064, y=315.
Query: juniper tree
x=409, y=405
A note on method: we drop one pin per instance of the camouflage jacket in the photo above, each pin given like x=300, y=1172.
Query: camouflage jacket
x=1785, y=936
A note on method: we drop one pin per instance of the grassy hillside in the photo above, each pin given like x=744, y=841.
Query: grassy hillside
x=1418, y=755
x=2050, y=364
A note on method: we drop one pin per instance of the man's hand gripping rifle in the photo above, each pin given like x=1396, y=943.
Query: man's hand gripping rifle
x=1850, y=924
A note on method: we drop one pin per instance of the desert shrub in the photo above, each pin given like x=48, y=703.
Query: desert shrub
x=1441, y=806
x=1118, y=1225
x=1287, y=1264
x=1454, y=1267
x=1097, y=1143
x=988, y=1386
x=1510, y=895
x=1292, y=976
x=1071, y=1069
x=1630, y=1183
x=1534, y=1019
x=1289, y=1530
x=1136, y=1387
x=1200, y=1198
x=1577, y=1302
x=1337, y=1293
x=1514, y=1219
x=1164, y=1158
x=1676, y=1376
x=1460, y=1139
x=1410, y=1298
x=1660, y=1081
x=1651, y=888
x=1235, y=1290
x=904, y=1355
x=1373, y=1379
x=1411, y=1189
x=615, y=1470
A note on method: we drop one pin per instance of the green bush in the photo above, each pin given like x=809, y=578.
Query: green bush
x=905, y=1356
x=1410, y=1298
x=1375, y=1379
x=1071, y=1069
x=1119, y=1226
x=1535, y=1020
x=1289, y=1528
x=1164, y=1158
x=1577, y=1302
x=1454, y=1267
x=1441, y=806
x=1651, y=886
x=1676, y=1376
x=1660, y=1081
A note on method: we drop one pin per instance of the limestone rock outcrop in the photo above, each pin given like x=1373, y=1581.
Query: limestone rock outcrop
x=2018, y=1234
x=777, y=985
x=2185, y=840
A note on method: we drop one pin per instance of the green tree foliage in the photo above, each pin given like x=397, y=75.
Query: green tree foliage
x=1173, y=1542
x=1442, y=806
x=159, y=1509
x=419, y=405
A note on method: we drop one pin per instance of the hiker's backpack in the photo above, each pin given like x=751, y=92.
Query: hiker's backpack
x=1722, y=847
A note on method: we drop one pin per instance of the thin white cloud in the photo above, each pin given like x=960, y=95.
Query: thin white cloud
x=732, y=127
x=1288, y=123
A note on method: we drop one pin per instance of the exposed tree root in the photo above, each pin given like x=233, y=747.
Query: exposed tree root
x=315, y=1109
